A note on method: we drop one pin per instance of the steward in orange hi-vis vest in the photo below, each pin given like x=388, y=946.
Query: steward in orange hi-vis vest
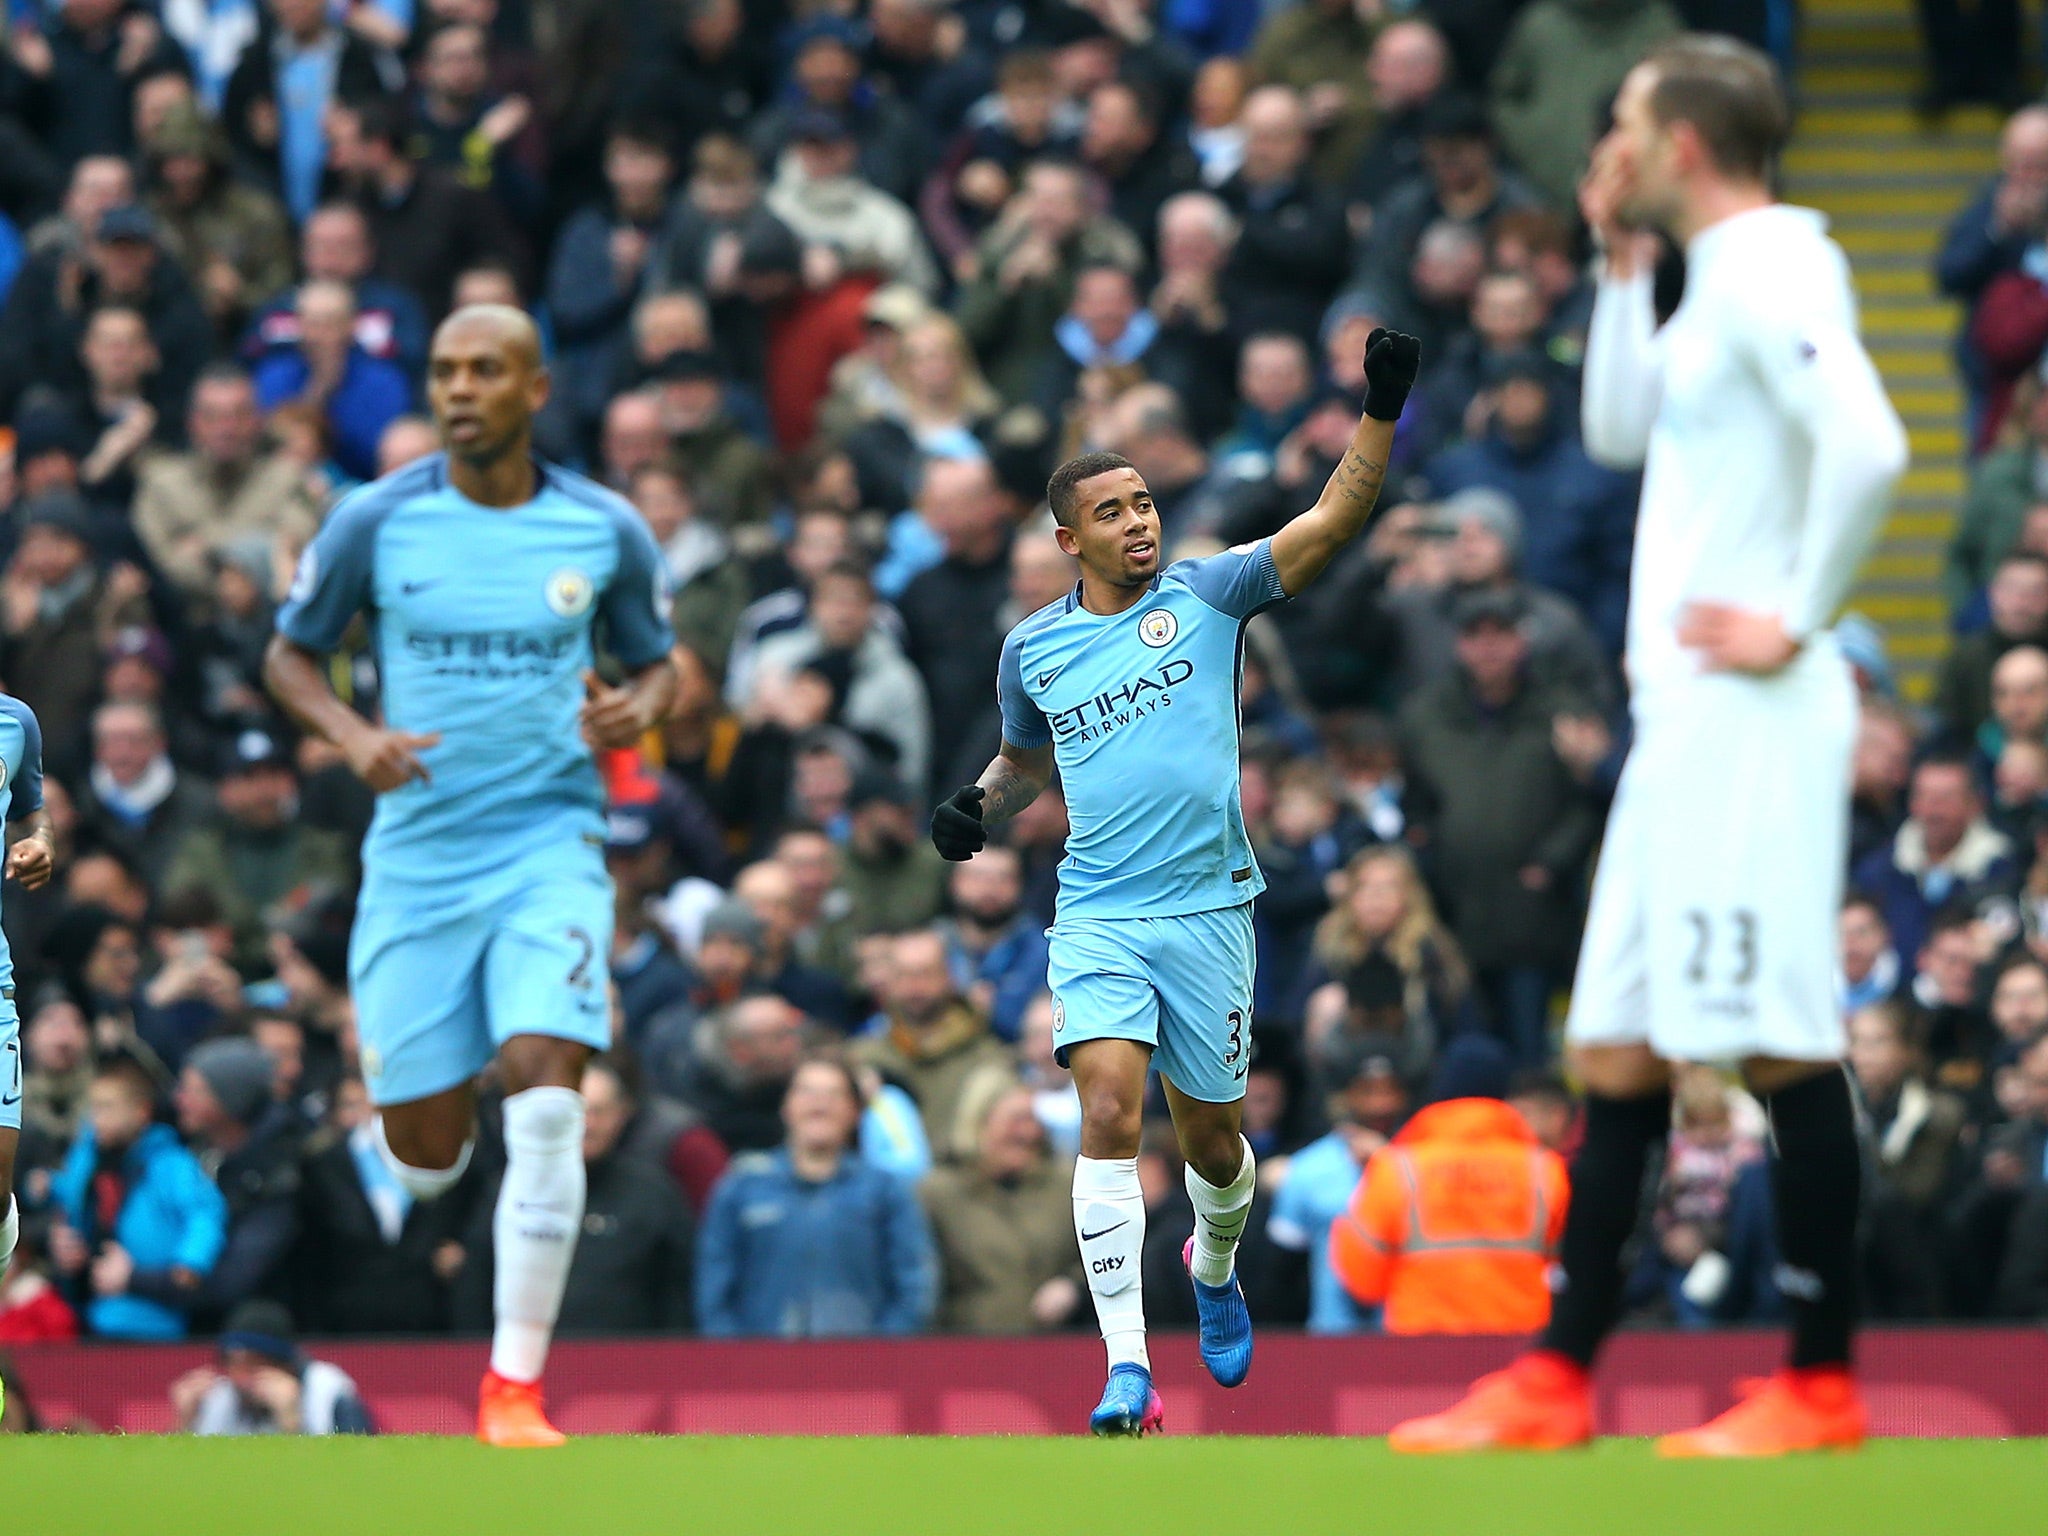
x=1454, y=1223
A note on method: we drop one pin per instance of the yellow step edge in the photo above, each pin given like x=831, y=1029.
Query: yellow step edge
x=1901, y=608
x=1892, y=202
x=1895, y=283
x=1895, y=241
x=1920, y=525
x=1882, y=322
x=1826, y=159
x=1962, y=126
x=1936, y=442
x=1925, y=479
x=1945, y=401
x=1891, y=565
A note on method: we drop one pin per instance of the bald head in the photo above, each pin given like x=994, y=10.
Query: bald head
x=1408, y=66
x=2019, y=693
x=1275, y=135
x=510, y=330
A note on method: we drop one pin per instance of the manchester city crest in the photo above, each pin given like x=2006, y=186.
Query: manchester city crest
x=569, y=592
x=1158, y=627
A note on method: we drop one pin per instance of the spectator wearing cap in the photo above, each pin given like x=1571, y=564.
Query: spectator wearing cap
x=846, y=223
x=602, y=257
x=266, y=1386
x=275, y=106
x=1508, y=867
x=249, y=1144
x=639, y=854
x=1289, y=259
x=228, y=487
x=1455, y=1222
x=826, y=77
x=996, y=948
x=1578, y=517
x=75, y=75
x=53, y=605
x=47, y=448
x=367, y=1258
x=936, y=1045
x=728, y=469
x=257, y=850
x=426, y=226
x=810, y=1239
x=1461, y=180
x=42, y=330
x=1559, y=67
x=232, y=238
x=1482, y=531
x=328, y=371
x=139, y=1225
x=880, y=693
x=1025, y=267
x=631, y=1272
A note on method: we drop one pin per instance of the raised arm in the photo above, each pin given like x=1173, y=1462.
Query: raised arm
x=1303, y=549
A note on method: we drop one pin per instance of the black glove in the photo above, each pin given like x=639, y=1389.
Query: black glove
x=957, y=831
x=1391, y=363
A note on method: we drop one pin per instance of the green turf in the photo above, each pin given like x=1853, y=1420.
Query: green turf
x=1030, y=1487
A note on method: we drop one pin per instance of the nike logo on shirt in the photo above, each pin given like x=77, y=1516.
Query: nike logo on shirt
x=410, y=587
x=1089, y=1237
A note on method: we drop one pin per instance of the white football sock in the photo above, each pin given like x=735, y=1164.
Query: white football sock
x=1109, y=1219
x=1220, y=1213
x=10, y=1229
x=422, y=1183
x=540, y=1211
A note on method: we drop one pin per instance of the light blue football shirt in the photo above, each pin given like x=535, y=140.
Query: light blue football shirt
x=21, y=785
x=482, y=621
x=1141, y=709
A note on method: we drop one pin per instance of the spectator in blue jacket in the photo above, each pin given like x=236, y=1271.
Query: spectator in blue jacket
x=139, y=1223
x=358, y=395
x=995, y=949
x=1946, y=855
x=810, y=1240
x=1579, y=519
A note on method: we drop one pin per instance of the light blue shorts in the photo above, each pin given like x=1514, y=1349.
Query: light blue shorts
x=1182, y=985
x=10, y=1072
x=438, y=990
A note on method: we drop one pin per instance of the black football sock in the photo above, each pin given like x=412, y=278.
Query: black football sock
x=1817, y=1178
x=1607, y=1191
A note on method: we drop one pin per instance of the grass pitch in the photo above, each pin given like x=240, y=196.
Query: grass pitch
x=996, y=1487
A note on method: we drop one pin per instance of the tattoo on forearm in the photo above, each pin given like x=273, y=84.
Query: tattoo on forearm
x=1358, y=479
x=1008, y=789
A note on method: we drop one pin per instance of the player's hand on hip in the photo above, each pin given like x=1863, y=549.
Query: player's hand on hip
x=1392, y=359
x=386, y=760
x=1731, y=639
x=611, y=717
x=957, y=831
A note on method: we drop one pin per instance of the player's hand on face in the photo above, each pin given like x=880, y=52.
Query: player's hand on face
x=1731, y=639
x=30, y=863
x=957, y=831
x=611, y=717
x=387, y=760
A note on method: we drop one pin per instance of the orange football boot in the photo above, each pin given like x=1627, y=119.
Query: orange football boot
x=1543, y=1402
x=510, y=1413
x=1795, y=1410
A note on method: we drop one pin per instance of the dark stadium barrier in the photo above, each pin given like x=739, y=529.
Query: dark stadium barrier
x=1937, y=1381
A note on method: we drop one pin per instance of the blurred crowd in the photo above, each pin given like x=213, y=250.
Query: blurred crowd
x=828, y=290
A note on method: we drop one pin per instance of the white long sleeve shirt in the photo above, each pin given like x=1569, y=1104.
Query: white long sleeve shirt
x=1769, y=450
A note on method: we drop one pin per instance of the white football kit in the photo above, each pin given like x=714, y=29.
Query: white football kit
x=1769, y=453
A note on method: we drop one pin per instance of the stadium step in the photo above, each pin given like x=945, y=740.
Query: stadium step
x=1889, y=181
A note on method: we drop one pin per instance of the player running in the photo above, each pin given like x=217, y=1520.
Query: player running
x=1769, y=453
x=31, y=859
x=1129, y=686
x=485, y=919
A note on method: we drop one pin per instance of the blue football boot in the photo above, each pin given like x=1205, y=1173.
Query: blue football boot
x=1129, y=1406
x=1226, y=1325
